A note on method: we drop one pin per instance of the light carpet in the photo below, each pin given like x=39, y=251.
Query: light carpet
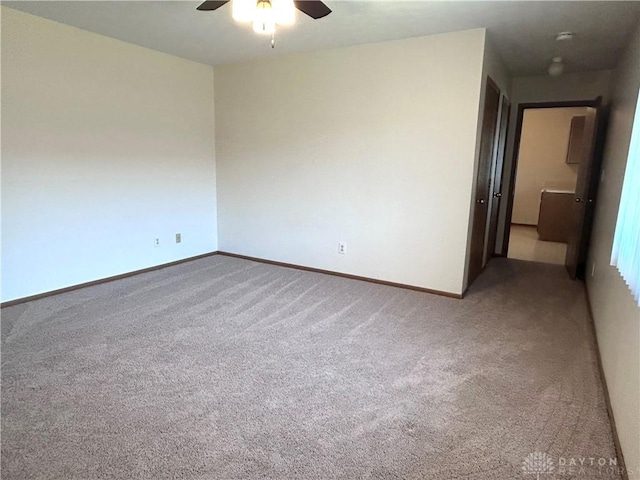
x=224, y=368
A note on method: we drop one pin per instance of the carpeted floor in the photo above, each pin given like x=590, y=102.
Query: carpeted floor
x=224, y=368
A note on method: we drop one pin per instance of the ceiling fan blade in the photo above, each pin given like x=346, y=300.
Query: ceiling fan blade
x=313, y=8
x=211, y=5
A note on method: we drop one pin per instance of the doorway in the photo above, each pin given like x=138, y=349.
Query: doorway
x=547, y=174
x=552, y=189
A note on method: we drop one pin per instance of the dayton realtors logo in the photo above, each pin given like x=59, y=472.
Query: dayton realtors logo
x=538, y=463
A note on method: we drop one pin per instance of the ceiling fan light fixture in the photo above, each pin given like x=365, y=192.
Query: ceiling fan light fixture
x=264, y=14
x=264, y=21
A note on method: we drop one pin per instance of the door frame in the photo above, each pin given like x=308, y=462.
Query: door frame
x=514, y=158
x=473, y=269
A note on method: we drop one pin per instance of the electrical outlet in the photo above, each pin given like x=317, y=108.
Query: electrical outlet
x=178, y=237
x=342, y=248
x=156, y=242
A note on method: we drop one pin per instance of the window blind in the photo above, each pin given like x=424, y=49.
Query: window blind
x=626, y=243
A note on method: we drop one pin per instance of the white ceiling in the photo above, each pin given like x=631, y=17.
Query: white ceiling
x=522, y=31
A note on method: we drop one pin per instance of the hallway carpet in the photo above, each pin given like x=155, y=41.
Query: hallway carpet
x=224, y=368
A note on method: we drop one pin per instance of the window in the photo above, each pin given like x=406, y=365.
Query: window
x=626, y=243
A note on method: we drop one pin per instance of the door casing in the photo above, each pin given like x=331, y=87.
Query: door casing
x=516, y=149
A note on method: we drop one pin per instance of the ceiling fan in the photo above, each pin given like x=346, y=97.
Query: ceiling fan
x=265, y=14
x=314, y=8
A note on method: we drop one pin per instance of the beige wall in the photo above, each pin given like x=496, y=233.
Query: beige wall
x=105, y=147
x=616, y=314
x=376, y=143
x=567, y=87
x=542, y=159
